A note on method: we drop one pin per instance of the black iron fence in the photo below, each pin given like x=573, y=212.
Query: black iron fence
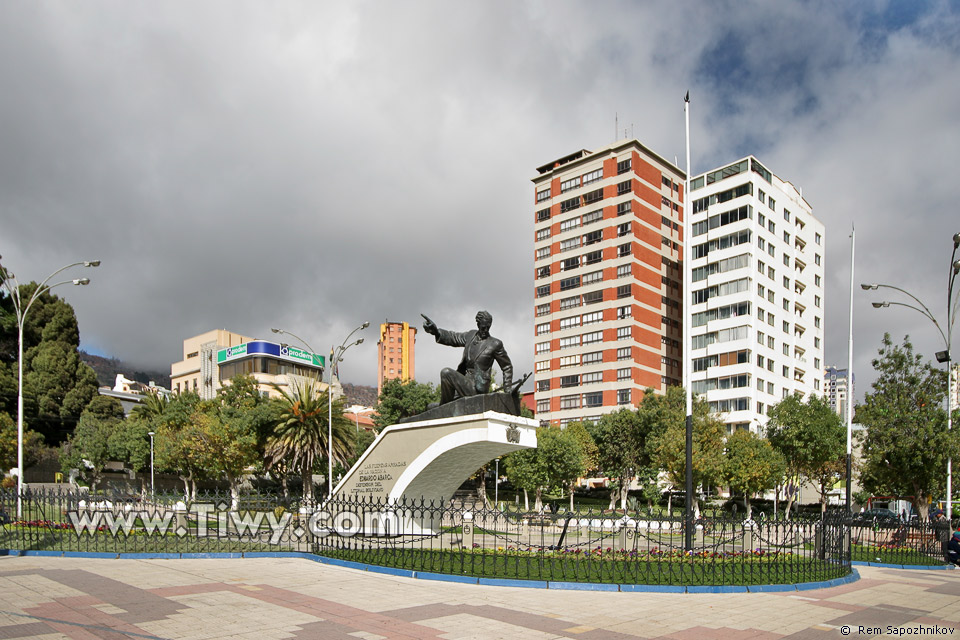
x=893, y=541
x=469, y=538
x=461, y=538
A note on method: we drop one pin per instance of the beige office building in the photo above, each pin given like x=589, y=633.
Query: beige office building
x=211, y=359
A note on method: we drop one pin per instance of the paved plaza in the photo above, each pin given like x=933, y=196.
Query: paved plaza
x=265, y=598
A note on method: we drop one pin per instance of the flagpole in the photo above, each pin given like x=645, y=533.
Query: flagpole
x=849, y=407
x=687, y=342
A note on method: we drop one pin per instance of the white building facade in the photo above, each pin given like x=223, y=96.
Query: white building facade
x=838, y=388
x=757, y=297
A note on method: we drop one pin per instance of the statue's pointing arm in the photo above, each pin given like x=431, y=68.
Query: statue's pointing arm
x=430, y=326
x=442, y=336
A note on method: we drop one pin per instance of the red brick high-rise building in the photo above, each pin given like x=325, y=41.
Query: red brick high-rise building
x=607, y=251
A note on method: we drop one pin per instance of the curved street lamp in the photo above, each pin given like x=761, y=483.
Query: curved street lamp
x=942, y=356
x=336, y=356
x=10, y=283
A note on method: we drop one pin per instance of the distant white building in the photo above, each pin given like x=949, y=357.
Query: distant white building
x=838, y=388
x=130, y=393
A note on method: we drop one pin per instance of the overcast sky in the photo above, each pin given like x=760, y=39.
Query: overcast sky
x=315, y=165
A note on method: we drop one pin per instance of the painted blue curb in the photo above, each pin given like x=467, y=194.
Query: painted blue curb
x=281, y=554
x=928, y=567
x=348, y=564
x=652, y=588
x=771, y=588
x=210, y=556
x=582, y=586
x=59, y=554
x=826, y=584
x=716, y=589
x=390, y=571
x=146, y=555
x=507, y=582
x=444, y=577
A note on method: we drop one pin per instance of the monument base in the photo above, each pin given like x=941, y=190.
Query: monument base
x=506, y=403
x=426, y=461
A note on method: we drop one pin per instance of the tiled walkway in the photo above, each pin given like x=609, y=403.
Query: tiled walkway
x=262, y=599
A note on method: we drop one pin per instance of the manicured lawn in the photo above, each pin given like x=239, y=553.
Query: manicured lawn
x=892, y=555
x=600, y=567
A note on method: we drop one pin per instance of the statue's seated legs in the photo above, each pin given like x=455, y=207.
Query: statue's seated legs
x=454, y=384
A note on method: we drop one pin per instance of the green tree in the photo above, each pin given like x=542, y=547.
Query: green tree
x=621, y=450
x=906, y=445
x=32, y=445
x=235, y=429
x=129, y=443
x=226, y=448
x=153, y=405
x=561, y=456
x=402, y=399
x=556, y=463
x=591, y=454
x=524, y=470
x=105, y=408
x=88, y=449
x=57, y=386
x=178, y=450
x=176, y=439
x=751, y=465
x=669, y=445
x=809, y=436
x=300, y=437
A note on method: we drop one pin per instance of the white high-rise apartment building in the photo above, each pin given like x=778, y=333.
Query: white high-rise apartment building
x=837, y=389
x=757, y=292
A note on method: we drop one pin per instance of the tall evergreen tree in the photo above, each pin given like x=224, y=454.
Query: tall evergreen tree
x=57, y=385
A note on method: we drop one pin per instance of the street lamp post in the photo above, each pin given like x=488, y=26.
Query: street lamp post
x=20, y=309
x=151, y=434
x=942, y=356
x=336, y=355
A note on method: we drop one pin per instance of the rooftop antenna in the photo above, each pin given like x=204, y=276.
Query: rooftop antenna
x=616, y=125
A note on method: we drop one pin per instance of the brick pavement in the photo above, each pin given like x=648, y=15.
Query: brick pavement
x=265, y=598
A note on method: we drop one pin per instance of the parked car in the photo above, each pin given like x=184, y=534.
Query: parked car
x=876, y=516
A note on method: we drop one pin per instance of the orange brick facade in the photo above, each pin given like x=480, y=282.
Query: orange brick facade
x=607, y=246
x=395, y=352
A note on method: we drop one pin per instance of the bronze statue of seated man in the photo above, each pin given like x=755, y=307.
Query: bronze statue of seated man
x=480, y=351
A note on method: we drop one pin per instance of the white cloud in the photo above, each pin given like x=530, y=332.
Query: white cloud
x=312, y=166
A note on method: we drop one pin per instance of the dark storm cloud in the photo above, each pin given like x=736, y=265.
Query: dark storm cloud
x=311, y=166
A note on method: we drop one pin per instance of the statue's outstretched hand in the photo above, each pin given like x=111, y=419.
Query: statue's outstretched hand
x=429, y=325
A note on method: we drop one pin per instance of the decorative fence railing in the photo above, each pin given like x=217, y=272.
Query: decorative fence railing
x=462, y=538
x=897, y=542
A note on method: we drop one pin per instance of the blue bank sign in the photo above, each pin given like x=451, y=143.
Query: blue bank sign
x=273, y=349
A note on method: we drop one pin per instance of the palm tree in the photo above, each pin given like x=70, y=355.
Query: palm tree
x=153, y=405
x=300, y=438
